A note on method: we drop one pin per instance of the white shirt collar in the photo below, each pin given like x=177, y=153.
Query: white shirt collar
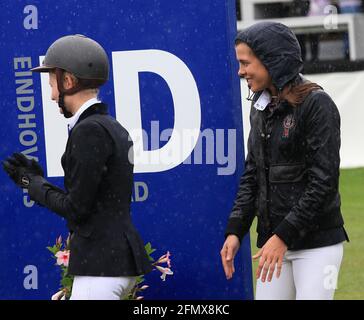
x=73, y=120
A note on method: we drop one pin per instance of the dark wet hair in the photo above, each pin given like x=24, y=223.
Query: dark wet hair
x=296, y=94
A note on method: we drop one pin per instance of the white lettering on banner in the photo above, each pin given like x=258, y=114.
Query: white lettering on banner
x=182, y=141
x=31, y=20
x=26, y=200
x=31, y=280
x=141, y=191
x=25, y=104
x=209, y=149
x=186, y=102
x=331, y=17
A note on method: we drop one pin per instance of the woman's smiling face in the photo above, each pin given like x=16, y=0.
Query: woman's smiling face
x=252, y=69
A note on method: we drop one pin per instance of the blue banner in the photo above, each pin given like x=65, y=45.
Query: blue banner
x=174, y=86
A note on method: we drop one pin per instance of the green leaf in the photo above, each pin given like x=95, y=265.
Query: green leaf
x=149, y=249
x=53, y=249
x=139, y=280
x=67, y=282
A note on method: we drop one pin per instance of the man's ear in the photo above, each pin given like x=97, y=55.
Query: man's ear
x=68, y=81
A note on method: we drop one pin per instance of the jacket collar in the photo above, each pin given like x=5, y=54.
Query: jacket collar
x=97, y=108
x=281, y=106
x=73, y=120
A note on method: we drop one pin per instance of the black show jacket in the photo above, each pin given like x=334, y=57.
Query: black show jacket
x=96, y=202
x=291, y=178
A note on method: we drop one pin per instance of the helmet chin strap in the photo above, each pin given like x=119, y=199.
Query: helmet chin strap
x=61, y=104
x=82, y=84
x=62, y=91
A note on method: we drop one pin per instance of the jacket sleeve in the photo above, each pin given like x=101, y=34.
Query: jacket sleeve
x=322, y=130
x=90, y=149
x=243, y=212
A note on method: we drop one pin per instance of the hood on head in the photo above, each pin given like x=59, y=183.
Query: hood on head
x=277, y=48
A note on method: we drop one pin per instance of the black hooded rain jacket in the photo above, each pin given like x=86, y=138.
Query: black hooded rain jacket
x=292, y=167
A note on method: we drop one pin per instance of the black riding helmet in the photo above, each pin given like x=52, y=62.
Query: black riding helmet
x=81, y=56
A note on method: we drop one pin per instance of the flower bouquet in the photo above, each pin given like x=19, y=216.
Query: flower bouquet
x=61, y=253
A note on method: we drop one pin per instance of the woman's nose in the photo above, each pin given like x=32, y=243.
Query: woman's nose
x=242, y=72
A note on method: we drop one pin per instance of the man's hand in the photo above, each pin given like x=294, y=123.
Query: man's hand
x=20, y=169
x=271, y=254
x=228, y=252
x=30, y=164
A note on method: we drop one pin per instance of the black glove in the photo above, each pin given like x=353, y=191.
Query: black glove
x=30, y=164
x=21, y=170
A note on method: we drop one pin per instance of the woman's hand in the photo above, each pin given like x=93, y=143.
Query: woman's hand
x=270, y=254
x=228, y=252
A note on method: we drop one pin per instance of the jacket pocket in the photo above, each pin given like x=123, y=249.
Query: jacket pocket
x=286, y=173
x=287, y=183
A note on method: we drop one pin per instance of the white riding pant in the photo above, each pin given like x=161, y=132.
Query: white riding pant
x=309, y=274
x=101, y=288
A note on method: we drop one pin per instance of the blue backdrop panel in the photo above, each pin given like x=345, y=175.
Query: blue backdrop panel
x=187, y=207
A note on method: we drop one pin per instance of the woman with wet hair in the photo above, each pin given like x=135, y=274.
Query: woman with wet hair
x=291, y=177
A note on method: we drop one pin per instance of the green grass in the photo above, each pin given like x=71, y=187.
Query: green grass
x=351, y=277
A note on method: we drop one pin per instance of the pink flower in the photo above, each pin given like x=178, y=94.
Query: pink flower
x=164, y=271
x=68, y=241
x=63, y=257
x=60, y=295
x=144, y=287
x=165, y=259
x=140, y=298
x=59, y=241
